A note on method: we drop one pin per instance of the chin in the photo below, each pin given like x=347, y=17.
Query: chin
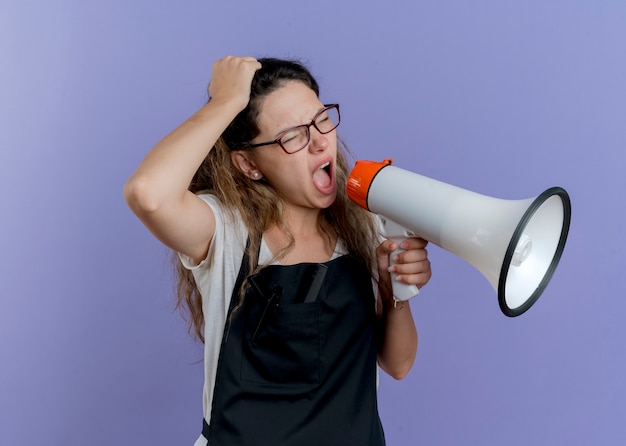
x=329, y=200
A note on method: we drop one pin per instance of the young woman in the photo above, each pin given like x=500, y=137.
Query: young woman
x=286, y=280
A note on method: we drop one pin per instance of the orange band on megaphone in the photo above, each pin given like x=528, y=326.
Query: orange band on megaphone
x=360, y=180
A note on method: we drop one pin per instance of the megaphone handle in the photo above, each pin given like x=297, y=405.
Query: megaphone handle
x=401, y=291
x=398, y=233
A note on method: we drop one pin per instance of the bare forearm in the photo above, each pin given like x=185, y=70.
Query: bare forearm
x=398, y=336
x=169, y=167
x=398, y=346
x=158, y=191
x=165, y=173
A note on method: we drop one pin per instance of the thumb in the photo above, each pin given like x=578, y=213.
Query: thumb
x=382, y=253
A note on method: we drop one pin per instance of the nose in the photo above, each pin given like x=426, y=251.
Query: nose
x=319, y=141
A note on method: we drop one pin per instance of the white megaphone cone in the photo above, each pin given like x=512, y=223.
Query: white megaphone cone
x=515, y=244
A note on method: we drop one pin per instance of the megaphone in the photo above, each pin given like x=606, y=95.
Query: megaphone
x=515, y=244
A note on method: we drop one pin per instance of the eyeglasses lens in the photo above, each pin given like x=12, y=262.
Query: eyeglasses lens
x=297, y=138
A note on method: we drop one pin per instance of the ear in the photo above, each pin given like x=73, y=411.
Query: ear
x=246, y=165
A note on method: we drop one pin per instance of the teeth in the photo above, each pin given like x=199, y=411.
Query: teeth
x=325, y=165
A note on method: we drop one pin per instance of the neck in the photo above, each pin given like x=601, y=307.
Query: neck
x=312, y=242
x=302, y=221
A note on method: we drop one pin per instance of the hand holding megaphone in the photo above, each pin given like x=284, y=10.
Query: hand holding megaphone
x=397, y=233
x=515, y=244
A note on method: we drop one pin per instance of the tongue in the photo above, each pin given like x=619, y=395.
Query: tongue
x=321, y=179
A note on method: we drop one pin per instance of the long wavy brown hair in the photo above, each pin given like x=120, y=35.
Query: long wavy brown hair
x=258, y=204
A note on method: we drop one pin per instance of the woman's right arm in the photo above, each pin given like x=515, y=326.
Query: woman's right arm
x=157, y=192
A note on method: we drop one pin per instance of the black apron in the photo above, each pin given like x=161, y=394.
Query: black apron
x=297, y=365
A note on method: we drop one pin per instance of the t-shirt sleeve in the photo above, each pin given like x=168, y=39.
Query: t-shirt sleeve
x=187, y=261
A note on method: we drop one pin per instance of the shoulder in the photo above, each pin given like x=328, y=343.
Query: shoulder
x=214, y=202
x=229, y=238
x=226, y=218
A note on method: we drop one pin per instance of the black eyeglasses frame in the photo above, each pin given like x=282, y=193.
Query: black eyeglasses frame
x=305, y=126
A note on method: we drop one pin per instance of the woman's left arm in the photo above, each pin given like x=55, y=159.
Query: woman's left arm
x=398, y=335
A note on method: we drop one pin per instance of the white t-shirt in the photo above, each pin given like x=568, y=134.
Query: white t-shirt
x=215, y=277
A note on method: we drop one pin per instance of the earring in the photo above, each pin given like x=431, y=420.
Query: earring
x=256, y=175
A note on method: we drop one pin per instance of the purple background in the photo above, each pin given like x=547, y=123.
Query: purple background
x=505, y=98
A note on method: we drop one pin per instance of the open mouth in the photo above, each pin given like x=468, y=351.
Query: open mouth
x=326, y=167
x=323, y=179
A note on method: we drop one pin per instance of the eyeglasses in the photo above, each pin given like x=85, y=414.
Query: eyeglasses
x=297, y=138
